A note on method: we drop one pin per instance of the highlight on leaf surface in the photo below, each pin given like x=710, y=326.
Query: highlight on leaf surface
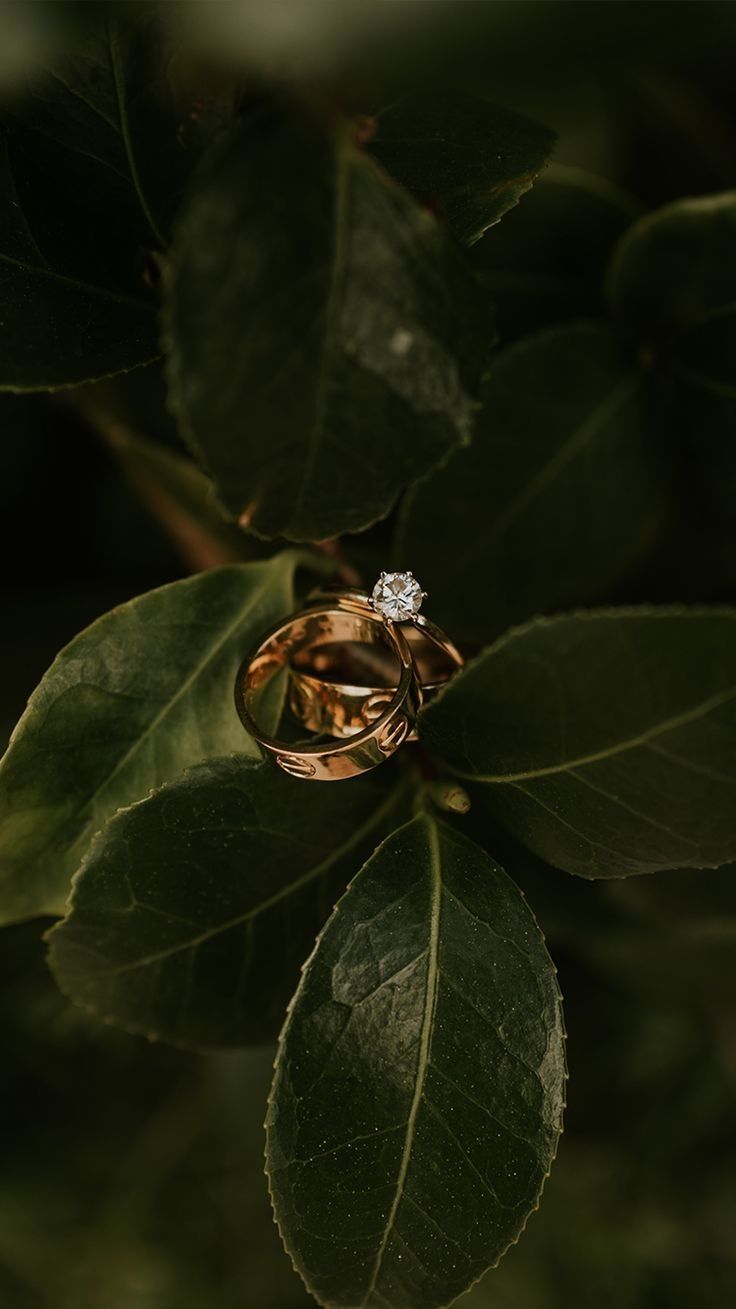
x=418, y=1091
x=142, y=694
x=327, y=336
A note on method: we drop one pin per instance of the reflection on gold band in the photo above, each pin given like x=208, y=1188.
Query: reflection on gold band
x=334, y=620
x=335, y=691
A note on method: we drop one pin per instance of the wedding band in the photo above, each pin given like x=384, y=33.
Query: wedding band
x=323, y=698
x=335, y=618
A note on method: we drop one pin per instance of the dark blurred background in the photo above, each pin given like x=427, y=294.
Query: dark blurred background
x=130, y=1174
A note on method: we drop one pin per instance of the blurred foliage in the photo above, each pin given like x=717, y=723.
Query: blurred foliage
x=132, y=1174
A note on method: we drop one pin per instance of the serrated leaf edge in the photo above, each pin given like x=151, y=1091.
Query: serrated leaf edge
x=248, y=762
x=425, y=818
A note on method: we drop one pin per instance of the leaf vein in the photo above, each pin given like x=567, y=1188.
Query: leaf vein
x=623, y=804
x=631, y=743
x=423, y=1059
x=433, y=1109
x=291, y=888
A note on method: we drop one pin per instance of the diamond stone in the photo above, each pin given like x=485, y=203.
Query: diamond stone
x=398, y=596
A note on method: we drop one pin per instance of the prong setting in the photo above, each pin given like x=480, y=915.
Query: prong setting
x=397, y=596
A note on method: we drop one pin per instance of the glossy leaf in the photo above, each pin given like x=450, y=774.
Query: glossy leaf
x=142, y=694
x=102, y=141
x=194, y=909
x=546, y=263
x=465, y=158
x=418, y=1093
x=606, y=741
x=327, y=338
x=676, y=266
x=559, y=493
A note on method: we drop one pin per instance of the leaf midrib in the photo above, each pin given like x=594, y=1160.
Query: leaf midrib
x=425, y=1041
x=93, y=797
x=598, y=756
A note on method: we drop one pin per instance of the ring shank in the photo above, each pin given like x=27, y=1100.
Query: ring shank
x=323, y=696
x=333, y=620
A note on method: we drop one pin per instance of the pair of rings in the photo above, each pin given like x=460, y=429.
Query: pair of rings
x=359, y=667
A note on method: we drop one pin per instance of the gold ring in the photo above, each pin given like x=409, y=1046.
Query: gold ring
x=330, y=619
x=340, y=690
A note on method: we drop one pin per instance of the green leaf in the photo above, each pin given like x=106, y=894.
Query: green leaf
x=547, y=262
x=703, y=357
x=606, y=741
x=418, y=1094
x=194, y=909
x=124, y=113
x=675, y=266
x=702, y=396
x=558, y=495
x=467, y=159
x=59, y=327
x=673, y=278
x=327, y=338
x=103, y=141
x=143, y=693
x=135, y=402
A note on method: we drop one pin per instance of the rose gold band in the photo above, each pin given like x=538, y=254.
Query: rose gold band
x=324, y=701
x=330, y=619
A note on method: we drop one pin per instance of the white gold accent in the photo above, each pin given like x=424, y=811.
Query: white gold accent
x=397, y=596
